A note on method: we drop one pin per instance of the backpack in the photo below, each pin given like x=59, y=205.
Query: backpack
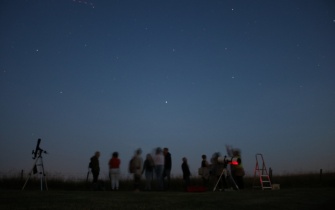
x=132, y=165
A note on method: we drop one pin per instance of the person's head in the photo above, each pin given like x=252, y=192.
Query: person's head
x=184, y=159
x=115, y=155
x=97, y=154
x=158, y=150
x=165, y=150
x=215, y=157
x=149, y=156
x=203, y=157
x=138, y=151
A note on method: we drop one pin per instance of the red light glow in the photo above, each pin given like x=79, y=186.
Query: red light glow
x=234, y=163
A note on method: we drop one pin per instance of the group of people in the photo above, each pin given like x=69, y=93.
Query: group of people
x=158, y=166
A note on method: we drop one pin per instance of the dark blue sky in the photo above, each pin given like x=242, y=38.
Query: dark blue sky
x=189, y=75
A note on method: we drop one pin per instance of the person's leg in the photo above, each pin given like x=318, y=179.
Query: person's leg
x=137, y=179
x=117, y=178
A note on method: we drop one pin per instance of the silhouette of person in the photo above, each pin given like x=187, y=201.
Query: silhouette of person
x=205, y=170
x=95, y=168
x=159, y=167
x=138, y=161
x=167, y=166
x=148, y=169
x=237, y=169
x=114, y=170
x=186, y=173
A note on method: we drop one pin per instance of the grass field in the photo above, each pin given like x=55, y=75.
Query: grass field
x=299, y=191
x=300, y=198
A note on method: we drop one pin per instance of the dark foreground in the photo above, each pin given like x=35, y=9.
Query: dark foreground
x=299, y=198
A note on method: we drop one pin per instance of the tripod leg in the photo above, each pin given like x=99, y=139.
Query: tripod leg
x=31, y=171
x=232, y=180
x=218, y=180
x=88, y=174
x=43, y=176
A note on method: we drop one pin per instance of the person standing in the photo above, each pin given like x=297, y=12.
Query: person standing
x=114, y=170
x=167, y=166
x=186, y=173
x=95, y=168
x=205, y=170
x=218, y=169
x=159, y=167
x=237, y=169
x=137, y=164
x=148, y=169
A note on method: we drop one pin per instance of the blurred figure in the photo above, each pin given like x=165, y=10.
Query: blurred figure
x=186, y=173
x=159, y=167
x=95, y=166
x=148, y=169
x=237, y=169
x=137, y=161
x=217, y=168
x=95, y=170
x=114, y=170
x=167, y=166
x=205, y=170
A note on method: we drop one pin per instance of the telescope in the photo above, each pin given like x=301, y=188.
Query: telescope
x=38, y=151
x=38, y=165
x=220, y=165
x=229, y=160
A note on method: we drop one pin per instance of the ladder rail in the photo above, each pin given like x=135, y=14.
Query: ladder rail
x=262, y=173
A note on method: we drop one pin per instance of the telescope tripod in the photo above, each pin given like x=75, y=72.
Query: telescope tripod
x=38, y=167
x=226, y=173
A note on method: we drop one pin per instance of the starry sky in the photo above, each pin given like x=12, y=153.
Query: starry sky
x=190, y=75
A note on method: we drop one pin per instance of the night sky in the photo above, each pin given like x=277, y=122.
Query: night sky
x=190, y=75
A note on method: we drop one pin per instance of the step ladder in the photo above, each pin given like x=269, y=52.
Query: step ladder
x=261, y=174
